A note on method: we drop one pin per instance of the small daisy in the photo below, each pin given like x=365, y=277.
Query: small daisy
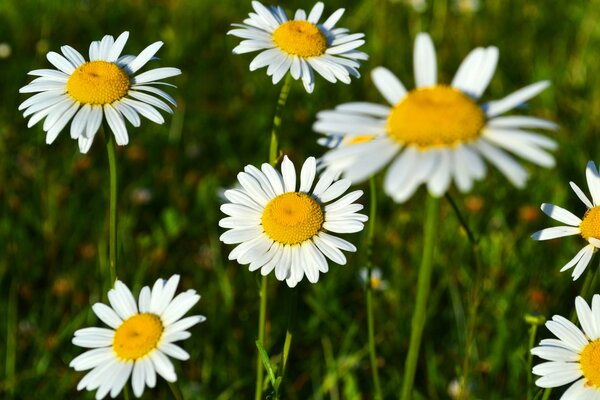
x=287, y=230
x=89, y=91
x=139, y=341
x=436, y=133
x=376, y=282
x=575, y=355
x=300, y=45
x=588, y=227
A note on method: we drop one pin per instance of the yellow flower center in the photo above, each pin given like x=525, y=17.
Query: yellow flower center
x=590, y=224
x=292, y=218
x=437, y=116
x=375, y=282
x=300, y=38
x=589, y=360
x=359, y=139
x=137, y=336
x=98, y=82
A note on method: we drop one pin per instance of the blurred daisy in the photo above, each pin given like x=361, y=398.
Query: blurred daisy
x=588, y=227
x=575, y=355
x=89, y=91
x=301, y=45
x=376, y=282
x=287, y=230
x=435, y=134
x=139, y=341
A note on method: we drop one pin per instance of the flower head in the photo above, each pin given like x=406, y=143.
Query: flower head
x=86, y=92
x=141, y=337
x=280, y=226
x=434, y=134
x=587, y=227
x=300, y=45
x=376, y=282
x=574, y=355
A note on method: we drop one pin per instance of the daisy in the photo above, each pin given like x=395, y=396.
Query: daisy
x=86, y=92
x=436, y=133
x=588, y=227
x=139, y=341
x=300, y=45
x=575, y=355
x=278, y=227
x=376, y=282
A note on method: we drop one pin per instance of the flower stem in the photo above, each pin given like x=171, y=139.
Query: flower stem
x=423, y=286
x=112, y=211
x=369, y=289
x=273, y=158
x=177, y=395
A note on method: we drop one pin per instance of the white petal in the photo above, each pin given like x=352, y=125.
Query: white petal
x=388, y=85
x=144, y=57
x=555, y=232
x=509, y=102
x=560, y=214
x=593, y=181
x=425, y=63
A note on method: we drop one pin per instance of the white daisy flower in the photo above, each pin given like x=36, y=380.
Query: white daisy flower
x=435, y=134
x=139, y=341
x=89, y=91
x=300, y=45
x=575, y=355
x=588, y=227
x=282, y=228
x=376, y=282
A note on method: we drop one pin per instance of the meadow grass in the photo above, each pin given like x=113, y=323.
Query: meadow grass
x=54, y=233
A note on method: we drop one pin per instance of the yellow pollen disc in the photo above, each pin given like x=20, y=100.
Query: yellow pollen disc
x=137, y=336
x=437, y=116
x=98, y=82
x=375, y=282
x=292, y=218
x=590, y=224
x=300, y=38
x=359, y=139
x=589, y=360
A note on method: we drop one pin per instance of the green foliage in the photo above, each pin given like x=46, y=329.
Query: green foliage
x=53, y=227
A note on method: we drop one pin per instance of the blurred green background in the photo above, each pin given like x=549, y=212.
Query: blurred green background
x=53, y=231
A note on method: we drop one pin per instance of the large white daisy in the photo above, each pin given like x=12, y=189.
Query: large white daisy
x=300, y=45
x=575, y=355
x=280, y=226
x=106, y=86
x=435, y=134
x=588, y=227
x=139, y=339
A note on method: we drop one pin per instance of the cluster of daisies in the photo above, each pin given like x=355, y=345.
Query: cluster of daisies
x=435, y=134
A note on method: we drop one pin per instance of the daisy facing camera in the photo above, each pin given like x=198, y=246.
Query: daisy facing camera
x=105, y=87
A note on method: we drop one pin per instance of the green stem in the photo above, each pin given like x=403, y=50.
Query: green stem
x=369, y=289
x=283, y=95
x=532, y=334
x=177, y=395
x=423, y=286
x=112, y=229
x=260, y=372
x=273, y=158
x=473, y=303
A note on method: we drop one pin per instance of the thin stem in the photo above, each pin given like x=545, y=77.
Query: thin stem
x=369, y=288
x=532, y=334
x=177, y=395
x=474, y=301
x=261, y=337
x=273, y=158
x=112, y=211
x=423, y=286
x=283, y=95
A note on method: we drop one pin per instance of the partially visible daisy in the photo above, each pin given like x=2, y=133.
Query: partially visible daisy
x=301, y=45
x=376, y=282
x=588, y=227
x=139, y=339
x=280, y=226
x=575, y=355
x=106, y=87
x=435, y=134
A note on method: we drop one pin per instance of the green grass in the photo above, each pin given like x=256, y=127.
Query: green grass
x=53, y=225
